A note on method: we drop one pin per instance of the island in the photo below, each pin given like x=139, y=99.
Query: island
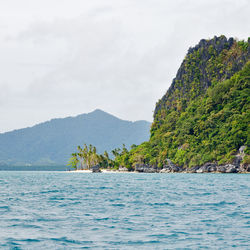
x=201, y=124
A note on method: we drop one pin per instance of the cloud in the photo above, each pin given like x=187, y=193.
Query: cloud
x=119, y=56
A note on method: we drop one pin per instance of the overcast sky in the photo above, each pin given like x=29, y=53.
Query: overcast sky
x=61, y=58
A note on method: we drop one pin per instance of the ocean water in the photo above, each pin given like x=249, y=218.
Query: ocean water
x=60, y=210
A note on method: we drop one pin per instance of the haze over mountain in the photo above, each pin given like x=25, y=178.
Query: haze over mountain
x=53, y=141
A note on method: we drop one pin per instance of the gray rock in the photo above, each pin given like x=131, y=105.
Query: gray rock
x=175, y=169
x=237, y=161
x=241, y=149
x=150, y=170
x=192, y=169
x=171, y=166
x=144, y=168
x=244, y=168
x=231, y=169
x=200, y=170
x=165, y=170
x=213, y=168
x=96, y=169
x=207, y=168
x=221, y=169
x=123, y=169
x=170, y=163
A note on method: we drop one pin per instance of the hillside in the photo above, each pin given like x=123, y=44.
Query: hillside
x=52, y=142
x=204, y=116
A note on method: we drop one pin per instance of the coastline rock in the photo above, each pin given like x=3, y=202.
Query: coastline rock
x=170, y=167
x=122, y=169
x=207, y=168
x=165, y=170
x=237, y=161
x=230, y=168
x=244, y=168
x=96, y=169
x=192, y=169
x=210, y=167
x=221, y=169
x=144, y=168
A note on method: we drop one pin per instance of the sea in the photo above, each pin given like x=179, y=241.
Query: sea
x=69, y=210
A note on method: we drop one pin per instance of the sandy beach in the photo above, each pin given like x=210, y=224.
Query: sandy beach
x=102, y=171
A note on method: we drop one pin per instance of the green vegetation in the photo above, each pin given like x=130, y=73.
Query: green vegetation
x=211, y=128
x=204, y=116
x=87, y=157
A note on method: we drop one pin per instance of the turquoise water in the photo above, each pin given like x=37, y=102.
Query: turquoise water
x=59, y=210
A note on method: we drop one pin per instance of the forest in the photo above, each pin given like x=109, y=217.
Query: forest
x=203, y=117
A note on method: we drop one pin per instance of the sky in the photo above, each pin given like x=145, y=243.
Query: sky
x=62, y=58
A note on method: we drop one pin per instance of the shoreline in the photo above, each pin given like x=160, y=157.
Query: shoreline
x=210, y=167
x=156, y=172
x=102, y=171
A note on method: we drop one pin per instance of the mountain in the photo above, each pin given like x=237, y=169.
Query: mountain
x=52, y=142
x=204, y=116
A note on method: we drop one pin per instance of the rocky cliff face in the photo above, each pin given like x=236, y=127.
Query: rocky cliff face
x=204, y=115
x=202, y=123
x=208, y=62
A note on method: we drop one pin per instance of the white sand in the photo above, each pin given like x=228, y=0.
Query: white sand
x=102, y=171
x=80, y=171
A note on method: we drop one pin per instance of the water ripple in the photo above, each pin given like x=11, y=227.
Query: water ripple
x=55, y=210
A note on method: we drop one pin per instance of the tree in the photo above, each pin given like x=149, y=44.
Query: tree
x=73, y=161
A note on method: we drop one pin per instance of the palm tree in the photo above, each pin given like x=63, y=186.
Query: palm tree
x=93, y=156
x=106, y=157
x=81, y=158
x=86, y=155
x=124, y=149
x=116, y=152
x=73, y=161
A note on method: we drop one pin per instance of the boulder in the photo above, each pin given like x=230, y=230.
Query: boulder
x=176, y=169
x=207, y=168
x=230, y=168
x=244, y=168
x=139, y=167
x=213, y=168
x=237, y=161
x=192, y=169
x=150, y=170
x=123, y=169
x=200, y=170
x=96, y=169
x=221, y=169
x=165, y=170
x=171, y=167
x=144, y=168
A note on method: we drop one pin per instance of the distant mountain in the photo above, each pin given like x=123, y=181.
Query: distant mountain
x=52, y=142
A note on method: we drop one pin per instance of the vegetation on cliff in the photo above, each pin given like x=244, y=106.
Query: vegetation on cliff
x=204, y=116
